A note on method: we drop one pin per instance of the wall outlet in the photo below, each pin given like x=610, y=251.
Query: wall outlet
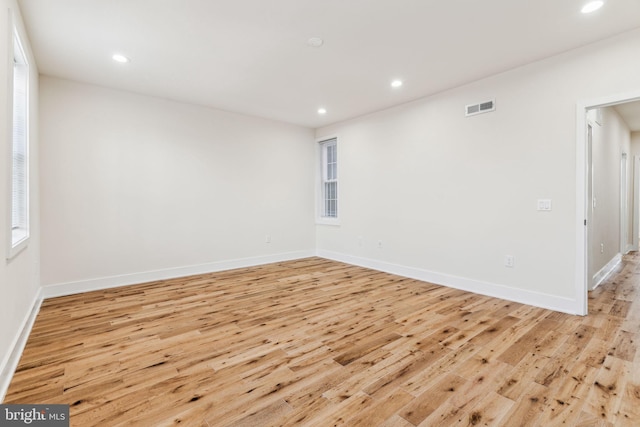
x=509, y=261
x=601, y=248
x=379, y=244
x=267, y=239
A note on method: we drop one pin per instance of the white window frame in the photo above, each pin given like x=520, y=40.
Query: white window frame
x=328, y=215
x=18, y=215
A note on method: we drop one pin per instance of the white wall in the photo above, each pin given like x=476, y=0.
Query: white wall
x=635, y=143
x=137, y=188
x=19, y=277
x=450, y=196
x=610, y=139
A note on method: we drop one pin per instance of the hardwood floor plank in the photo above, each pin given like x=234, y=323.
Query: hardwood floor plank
x=379, y=410
x=527, y=410
x=489, y=411
x=522, y=376
x=264, y=416
x=604, y=398
x=530, y=340
x=429, y=401
x=625, y=345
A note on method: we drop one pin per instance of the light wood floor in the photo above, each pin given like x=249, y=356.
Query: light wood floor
x=320, y=343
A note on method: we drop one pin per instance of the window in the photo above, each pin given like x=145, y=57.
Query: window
x=329, y=178
x=20, y=150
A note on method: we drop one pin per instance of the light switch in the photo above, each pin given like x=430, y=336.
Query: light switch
x=544, y=204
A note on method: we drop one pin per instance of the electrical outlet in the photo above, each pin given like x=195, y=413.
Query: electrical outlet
x=509, y=261
x=601, y=248
x=544, y=204
x=267, y=239
x=379, y=244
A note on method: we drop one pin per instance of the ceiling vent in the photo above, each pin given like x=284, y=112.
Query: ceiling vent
x=483, y=107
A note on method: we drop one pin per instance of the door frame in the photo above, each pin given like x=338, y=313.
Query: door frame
x=624, y=203
x=590, y=198
x=581, y=228
x=635, y=229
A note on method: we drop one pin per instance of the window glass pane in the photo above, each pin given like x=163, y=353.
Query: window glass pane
x=20, y=153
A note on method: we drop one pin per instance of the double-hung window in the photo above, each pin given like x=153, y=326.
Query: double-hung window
x=329, y=179
x=19, y=149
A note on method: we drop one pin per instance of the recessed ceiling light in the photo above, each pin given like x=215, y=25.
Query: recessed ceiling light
x=396, y=83
x=322, y=111
x=120, y=58
x=592, y=6
x=315, y=42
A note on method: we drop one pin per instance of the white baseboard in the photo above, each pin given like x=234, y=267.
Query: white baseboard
x=604, y=272
x=551, y=302
x=14, y=352
x=61, y=289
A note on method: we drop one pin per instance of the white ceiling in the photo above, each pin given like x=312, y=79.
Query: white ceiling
x=252, y=57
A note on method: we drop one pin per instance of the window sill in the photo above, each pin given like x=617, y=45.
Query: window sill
x=23, y=242
x=328, y=221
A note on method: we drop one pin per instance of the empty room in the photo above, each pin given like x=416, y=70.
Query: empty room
x=319, y=213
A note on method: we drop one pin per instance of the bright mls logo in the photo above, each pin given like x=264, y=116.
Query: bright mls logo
x=34, y=415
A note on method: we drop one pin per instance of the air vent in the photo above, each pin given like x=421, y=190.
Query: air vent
x=483, y=107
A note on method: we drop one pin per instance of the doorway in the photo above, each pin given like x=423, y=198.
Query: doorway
x=585, y=179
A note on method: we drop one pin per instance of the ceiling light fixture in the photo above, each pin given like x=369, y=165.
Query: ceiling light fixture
x=592, y=6
x=120, y=58
x=396, y=83
x=322, y=111
x=315, y=42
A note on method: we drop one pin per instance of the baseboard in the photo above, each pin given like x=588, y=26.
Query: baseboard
x=604, y=272
x=551, y=302
x=61, y=289
x=12, y=358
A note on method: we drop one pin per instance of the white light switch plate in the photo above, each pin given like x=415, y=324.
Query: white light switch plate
x=544, y=204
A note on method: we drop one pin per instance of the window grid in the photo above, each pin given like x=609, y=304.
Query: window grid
x=330, y=178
